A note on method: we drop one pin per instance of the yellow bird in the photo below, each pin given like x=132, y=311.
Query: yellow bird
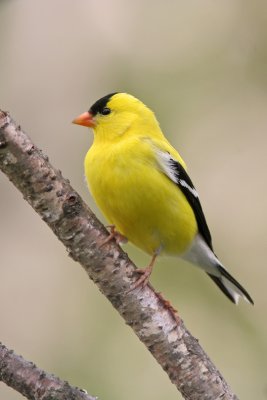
x=140, y=183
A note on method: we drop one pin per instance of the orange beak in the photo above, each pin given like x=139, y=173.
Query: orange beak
x=85, y=119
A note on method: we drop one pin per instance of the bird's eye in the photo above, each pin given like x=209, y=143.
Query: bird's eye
x=106, y=111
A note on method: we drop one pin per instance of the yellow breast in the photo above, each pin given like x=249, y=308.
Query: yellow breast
x=138, y=198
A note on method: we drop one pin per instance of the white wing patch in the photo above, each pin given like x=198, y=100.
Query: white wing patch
x=167, y=164
x=164, y=161
x=185, y=184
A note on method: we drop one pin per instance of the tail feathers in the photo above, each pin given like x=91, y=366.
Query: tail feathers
x=230, y=287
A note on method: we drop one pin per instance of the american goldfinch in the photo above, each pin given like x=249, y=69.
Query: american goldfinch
x=141, y=185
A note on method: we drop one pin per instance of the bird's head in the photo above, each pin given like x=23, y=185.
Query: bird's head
x=117, y=114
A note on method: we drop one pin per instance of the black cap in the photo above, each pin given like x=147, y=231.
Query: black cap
x=98, y=106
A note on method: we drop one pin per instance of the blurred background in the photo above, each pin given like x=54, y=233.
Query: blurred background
x=201, y=66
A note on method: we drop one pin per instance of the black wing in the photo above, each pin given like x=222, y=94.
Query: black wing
x=178, y=174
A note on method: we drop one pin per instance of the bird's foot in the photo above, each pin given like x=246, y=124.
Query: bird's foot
x=117, y=236
x=144, y=278
x=145, y=275
x=169, y=307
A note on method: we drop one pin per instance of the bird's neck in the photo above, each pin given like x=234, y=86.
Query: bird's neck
x=125, y=128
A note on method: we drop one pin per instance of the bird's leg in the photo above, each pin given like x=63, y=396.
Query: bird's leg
x=145, y=274
x=119, y=238
x=143, y=281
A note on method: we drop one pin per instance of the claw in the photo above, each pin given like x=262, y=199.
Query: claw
x=119, y=238
x=145, y=275
x=169, y=307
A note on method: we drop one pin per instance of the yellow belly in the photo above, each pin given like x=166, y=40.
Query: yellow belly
x=143, y=203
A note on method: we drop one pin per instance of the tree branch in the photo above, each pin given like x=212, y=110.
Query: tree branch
x=52, y=197
x=34, y=383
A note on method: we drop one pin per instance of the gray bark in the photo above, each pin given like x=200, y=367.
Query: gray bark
x=34, y=383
